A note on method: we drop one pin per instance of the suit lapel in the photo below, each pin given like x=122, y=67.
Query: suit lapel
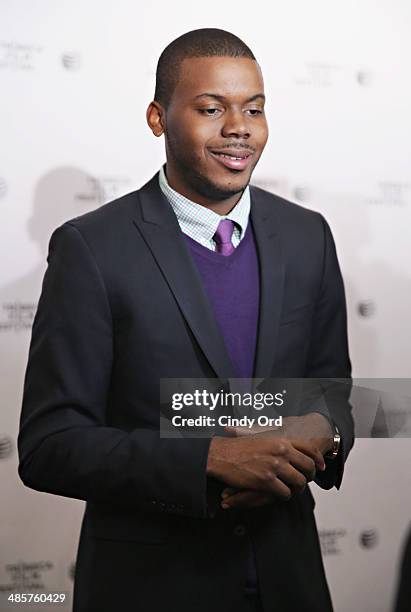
x=162, y=234
x=272, y=272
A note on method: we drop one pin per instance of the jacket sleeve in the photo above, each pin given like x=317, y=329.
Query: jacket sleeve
x=65, y=445
x=328, y=359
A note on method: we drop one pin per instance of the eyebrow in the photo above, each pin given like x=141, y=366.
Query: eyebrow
x=222, y=98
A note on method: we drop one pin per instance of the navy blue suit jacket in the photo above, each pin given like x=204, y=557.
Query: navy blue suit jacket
x=122, y=305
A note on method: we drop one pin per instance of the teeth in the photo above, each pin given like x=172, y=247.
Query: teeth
x=229, y=156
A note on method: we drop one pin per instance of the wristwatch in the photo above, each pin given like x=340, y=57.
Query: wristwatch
x=333, y=452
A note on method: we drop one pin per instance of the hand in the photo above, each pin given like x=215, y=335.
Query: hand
x=278, y=466
x=314, y=426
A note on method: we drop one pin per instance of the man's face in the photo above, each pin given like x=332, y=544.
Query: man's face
x=215, y=126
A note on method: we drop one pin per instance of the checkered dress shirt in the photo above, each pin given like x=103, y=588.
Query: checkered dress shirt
x=199, y=222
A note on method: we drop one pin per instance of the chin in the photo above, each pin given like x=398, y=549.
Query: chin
x=230, y=185
x=236, y=185
x=209, y=186
x=223, y=191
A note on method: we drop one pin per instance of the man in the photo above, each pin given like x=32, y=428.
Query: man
x=196, y=275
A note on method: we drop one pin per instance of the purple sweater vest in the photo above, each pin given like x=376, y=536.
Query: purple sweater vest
x=233, y=287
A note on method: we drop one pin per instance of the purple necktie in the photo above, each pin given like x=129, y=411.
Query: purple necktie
x=223, y=236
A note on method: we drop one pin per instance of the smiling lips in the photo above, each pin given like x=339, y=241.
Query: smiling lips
x=232, y=158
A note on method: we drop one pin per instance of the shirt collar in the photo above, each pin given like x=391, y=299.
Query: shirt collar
x=195, y=219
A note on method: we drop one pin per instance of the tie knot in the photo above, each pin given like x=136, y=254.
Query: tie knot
x=223, y=237
x=224, y=231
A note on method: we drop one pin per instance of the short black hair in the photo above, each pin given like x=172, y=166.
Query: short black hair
x=205, y=42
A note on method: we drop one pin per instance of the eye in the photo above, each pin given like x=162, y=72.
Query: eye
x=255, y=111
x=210, y=112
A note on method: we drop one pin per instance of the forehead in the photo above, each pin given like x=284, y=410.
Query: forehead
x=225, y=76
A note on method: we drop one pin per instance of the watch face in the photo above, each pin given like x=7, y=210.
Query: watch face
x=337, y=440
x=332, y=454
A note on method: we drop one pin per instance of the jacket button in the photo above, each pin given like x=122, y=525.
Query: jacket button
x=240, y=530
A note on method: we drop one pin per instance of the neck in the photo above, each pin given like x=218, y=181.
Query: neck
x=221, y=207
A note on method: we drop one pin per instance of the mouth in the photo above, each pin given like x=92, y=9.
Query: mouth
x=233, y=159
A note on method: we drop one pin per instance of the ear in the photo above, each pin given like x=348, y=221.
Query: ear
x=155, y=116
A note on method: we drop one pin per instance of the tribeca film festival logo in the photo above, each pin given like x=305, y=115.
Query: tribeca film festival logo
x=210, y=401
x=391, y=194
x=324, y=74
x=24, y=575
x=71, y=60
x=17, y=316
x=19, y=56
x=6, y=446
x=318, y=74
x=102, y=189
x=330, y=540
x=278, y=185
x=282, y=186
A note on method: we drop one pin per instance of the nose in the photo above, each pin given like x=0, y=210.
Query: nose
x=235, y=124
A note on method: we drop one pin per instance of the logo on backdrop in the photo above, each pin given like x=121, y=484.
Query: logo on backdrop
x=19, y=56
x=366, y=308
x=101, y=189
x=278, y=185
x=6, y=446
x=364, y=78
x=318, y=74
x=330, y=540
x=282, y=187
x=323, y=74
x=368, y=538
x=3, y=187
x=71, y=60
x=335, y=541
x=391, y=194
x=17, y=316
x=26, y=575
x=302, y=193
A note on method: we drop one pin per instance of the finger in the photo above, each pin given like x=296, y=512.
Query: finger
x=277, y=487
x=311, y=450
x=294, y=479
x=306, y=465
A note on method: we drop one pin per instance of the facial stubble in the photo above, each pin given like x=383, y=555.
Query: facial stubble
x=197, y=181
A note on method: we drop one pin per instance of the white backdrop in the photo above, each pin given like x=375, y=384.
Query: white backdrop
x=75, y=81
